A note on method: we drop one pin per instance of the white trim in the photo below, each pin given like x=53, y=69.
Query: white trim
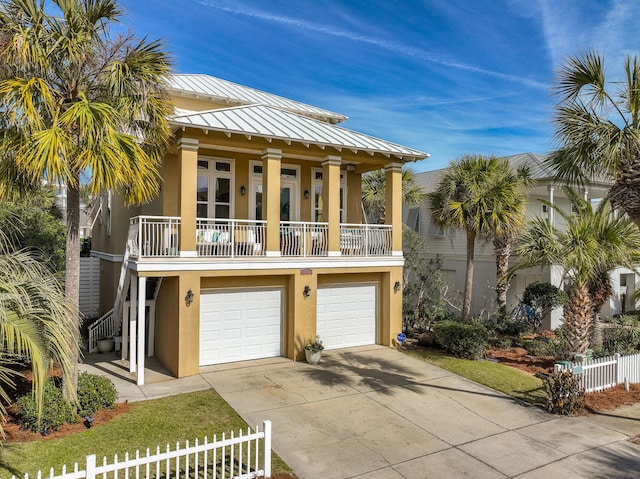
x=188, y=254
x=113, y=258
x=265, y=263
x=212, y=174
x=334, y=254
x=396, y=253
x=255, y=180
x=273, y=254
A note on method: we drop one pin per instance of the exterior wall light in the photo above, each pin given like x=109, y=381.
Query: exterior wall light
x=396, y=287
x=306, y=194
x=188, y=299
x=351, y=167
x=306, y=292
x=243, y=190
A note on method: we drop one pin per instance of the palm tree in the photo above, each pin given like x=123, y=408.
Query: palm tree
x=598, y=129
x=35, y=324
x=593, y=241
x=374, y=193
x=482, y=196
x=77, y=104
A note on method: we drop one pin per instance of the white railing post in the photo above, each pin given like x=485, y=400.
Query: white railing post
x=616, y=357
x=267, y=448
x=91, y=466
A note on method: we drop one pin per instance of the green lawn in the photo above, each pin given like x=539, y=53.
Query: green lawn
x=502, y=378
x=147, y=424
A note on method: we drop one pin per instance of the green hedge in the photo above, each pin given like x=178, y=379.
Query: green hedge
x=464, y=340
x=55, y=410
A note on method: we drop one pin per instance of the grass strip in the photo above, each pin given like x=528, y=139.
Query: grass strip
x=146, y=425
x=508, y=380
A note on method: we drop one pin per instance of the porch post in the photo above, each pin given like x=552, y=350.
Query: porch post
x=271, y=160
x=393, y=205
x=142, y=302
x=188, y=167
x=551, y=207
x=331, y=203
x=133, y=311
x=125, y=327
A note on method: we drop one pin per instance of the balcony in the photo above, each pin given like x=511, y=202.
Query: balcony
x=158, y=237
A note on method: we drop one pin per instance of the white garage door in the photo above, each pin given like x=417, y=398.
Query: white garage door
x=239, y=325
x=347, y=315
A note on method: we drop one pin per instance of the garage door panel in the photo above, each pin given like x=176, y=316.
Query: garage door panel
x=240, y=325
x=346, y=315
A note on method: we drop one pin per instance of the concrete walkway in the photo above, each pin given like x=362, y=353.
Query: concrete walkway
x=376, y=413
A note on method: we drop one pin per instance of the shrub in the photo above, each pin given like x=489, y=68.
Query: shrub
x=500, y=323
x=55, y=410
x=541, y=346
x=564, y=394
x=465, y=340
x=95, y=392
x=620, y=339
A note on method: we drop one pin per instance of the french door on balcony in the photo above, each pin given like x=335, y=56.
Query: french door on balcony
x=289, y=197
x=214, y=197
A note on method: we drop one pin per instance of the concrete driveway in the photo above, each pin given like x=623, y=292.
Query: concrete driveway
x=377, y=413
x=374, y=412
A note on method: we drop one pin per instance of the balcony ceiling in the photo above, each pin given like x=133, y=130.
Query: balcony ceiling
x=276, y=124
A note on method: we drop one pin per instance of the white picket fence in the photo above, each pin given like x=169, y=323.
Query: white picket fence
x=245, y=456
x=604, y=373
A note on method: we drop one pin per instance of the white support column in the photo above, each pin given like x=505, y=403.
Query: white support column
x=551, y=207
x=133, y=310
x=152, y=328
x=142, y=303
x=125, y=328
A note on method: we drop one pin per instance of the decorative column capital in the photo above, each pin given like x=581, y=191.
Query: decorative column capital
x=332, y=160
x=272, y=153
x=190, y=144
x=393, y=167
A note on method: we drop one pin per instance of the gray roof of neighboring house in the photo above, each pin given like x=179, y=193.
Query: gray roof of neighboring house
x=277, y=124
x=233, y=94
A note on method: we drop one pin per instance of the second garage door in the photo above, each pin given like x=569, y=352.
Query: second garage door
x=239, y=325
x=347, y=315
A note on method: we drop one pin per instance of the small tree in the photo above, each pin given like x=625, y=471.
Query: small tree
x=423, y=298
x=543, y=297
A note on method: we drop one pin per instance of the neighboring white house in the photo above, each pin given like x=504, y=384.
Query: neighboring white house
x=451, y=246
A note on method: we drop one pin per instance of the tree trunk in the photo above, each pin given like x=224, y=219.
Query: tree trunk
x=577, y=320
x=600, y=291
x=468, y=284
x=502, y=249
x=72, y=277
x=625, y=194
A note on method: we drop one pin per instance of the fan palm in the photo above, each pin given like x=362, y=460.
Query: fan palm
x=597, y=123
x=374, y=197
x=593, y=241
x=78, y=104
x=35, y=324
x=482, y=196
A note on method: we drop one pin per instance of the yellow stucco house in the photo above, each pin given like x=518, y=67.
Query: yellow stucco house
x=257, y=241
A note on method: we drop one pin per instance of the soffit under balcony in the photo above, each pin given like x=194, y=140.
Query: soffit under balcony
x=274, y=124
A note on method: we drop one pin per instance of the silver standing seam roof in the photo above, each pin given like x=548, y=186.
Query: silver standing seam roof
x=233, y=94
x=273, y=123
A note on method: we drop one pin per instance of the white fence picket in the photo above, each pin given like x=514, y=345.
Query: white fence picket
x=604, y=373
x=195, y=460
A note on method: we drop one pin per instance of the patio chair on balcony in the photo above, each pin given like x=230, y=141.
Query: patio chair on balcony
x=211, y=242
x=351, y=242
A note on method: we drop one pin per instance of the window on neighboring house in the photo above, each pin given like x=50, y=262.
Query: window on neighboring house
x=317, y=196
x=545, y=211
x=413, y=218
x=214, y=189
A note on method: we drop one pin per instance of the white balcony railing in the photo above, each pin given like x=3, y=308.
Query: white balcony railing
x=154, y=236
x=365, y=240
x=303, y=239
x=158, y=236
x=230, y=237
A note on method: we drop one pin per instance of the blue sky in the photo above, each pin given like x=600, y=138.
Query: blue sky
x=448, y=77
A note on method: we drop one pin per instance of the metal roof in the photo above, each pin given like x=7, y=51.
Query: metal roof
x=273, y=123
x=200, y=85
